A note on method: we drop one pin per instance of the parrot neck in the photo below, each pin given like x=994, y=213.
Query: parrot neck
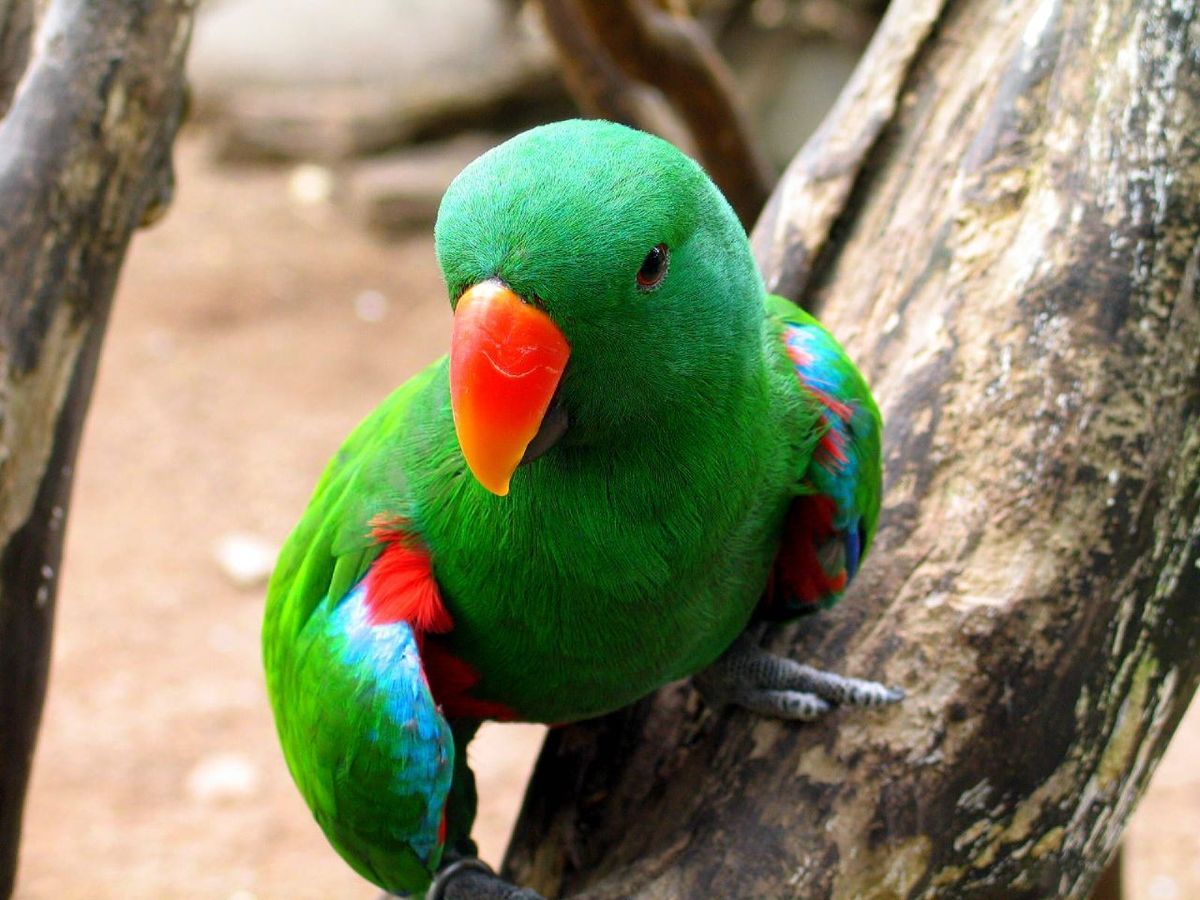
x=689, y=464
x=710, y=416
x=574, y=561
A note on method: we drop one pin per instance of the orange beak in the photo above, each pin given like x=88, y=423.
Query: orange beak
x=506, y=359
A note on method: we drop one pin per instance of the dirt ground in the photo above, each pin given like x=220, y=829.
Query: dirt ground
x=250, y=334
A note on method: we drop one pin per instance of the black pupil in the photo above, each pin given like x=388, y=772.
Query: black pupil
x=652, y=266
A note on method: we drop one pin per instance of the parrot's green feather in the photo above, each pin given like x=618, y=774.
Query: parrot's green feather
x=342, y=747
x=853, y=390
x=350, y=781
x=332, y=546
x=703, y=415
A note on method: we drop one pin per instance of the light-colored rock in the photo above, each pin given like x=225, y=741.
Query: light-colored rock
x=322, y=79
x=371, y=305
x=403, y=190
x=310, y=184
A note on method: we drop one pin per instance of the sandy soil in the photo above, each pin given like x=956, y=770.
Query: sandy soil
x=235, y=363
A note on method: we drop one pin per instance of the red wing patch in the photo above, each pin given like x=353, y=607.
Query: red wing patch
x=451, y=680
x=401, y=588
x=801, y=580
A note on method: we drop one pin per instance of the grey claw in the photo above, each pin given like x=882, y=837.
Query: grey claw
x=842, y=689
x=776, y=686
x=796, y=706
x=470, y=878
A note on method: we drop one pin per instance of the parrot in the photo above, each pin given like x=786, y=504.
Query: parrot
x=631, y=456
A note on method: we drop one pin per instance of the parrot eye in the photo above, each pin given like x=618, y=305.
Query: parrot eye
x=654, y=268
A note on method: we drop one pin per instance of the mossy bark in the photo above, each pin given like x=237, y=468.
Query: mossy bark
x=1001, y=220
x=84, y=159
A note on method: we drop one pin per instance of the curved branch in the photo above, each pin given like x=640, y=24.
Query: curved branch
x=598, y=85
x=815, y=189
x=1010, y=245
x=84, y=154
x=604, y=43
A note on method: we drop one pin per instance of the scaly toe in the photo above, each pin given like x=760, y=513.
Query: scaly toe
x=470, y=878
x=796, y=706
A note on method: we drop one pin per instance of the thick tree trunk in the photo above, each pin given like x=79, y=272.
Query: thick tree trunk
x=84, y=159
x=1001, y=219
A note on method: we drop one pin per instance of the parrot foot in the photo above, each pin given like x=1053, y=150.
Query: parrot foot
x=771, y=685
x=470, y=878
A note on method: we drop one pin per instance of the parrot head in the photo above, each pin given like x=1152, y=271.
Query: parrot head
x=601, y=286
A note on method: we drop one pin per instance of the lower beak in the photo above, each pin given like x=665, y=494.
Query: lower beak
x=506, y=359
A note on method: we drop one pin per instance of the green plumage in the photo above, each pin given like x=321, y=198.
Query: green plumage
x=635, y=550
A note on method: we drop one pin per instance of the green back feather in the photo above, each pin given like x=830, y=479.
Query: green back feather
x=635, y=550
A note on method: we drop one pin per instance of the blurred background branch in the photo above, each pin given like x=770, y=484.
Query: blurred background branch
x=611, y=52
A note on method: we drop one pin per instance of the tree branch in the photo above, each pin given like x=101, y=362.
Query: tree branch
x=598, y=85
x=815, y=189
x=603, y=44
x=1002, y=222
x=84, y=153
x=16, y=30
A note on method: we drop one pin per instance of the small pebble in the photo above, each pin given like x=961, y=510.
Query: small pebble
x=159, y=344
x=371, y=306
x=1162, y=887
x=223, y=776
x=310, y=185
x=245, y=559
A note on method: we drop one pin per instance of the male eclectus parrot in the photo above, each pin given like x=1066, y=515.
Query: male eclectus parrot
x=630, y=453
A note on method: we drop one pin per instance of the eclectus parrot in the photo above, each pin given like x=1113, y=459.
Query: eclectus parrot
x=630, y=454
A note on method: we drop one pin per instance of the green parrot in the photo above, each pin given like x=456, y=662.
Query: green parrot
x=630, y=454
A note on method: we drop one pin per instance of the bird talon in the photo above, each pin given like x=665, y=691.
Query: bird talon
x=470, y=878
x=777, y=686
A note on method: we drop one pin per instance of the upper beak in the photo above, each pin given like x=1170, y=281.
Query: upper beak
x=506, y=359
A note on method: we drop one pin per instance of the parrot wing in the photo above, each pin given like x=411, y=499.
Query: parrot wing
x=361, y=490
x=349, y=607
x=831, y=520
x=367, y=744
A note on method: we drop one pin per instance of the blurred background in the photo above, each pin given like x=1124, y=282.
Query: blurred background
x=291, y=286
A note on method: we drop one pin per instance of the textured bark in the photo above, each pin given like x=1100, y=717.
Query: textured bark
x=16, y=30
x=1111, y=884
x=612, y=51
x=1001, y=219
x=84, y=159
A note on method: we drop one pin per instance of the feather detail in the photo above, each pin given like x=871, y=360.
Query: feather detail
x=401, y=587
x=810, y=567
x=385, y=749
x=451, y=680
x=828, y=525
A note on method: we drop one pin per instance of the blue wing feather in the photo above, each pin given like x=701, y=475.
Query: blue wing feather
x=831, y=522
